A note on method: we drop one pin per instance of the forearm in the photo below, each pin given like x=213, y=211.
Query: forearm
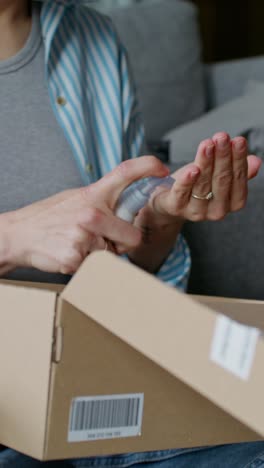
x=158, y=239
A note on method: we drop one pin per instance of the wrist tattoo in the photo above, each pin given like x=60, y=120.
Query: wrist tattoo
x=147, y=233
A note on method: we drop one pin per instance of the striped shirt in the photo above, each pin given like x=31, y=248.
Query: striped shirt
x=94, y=100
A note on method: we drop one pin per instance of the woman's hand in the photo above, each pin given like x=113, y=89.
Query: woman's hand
x=216, y=184
x=56, y=234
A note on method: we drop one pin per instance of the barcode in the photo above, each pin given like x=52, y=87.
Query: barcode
x=104, y=417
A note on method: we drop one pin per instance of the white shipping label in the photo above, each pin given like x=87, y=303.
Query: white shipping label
x=105, y=417
x=233, y=346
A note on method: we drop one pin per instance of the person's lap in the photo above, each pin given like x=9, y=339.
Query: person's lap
x=247, y=455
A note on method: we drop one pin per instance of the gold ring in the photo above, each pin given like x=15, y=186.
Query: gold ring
x=207, y=197
x=110, y=246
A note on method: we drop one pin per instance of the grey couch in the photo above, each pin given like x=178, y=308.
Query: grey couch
x=177, y=91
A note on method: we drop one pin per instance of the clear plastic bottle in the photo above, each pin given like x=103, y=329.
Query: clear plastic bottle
x=135, y=197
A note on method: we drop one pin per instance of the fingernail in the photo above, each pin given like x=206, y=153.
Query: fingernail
x=222, y=142
x=239, y=145
x=209, y=151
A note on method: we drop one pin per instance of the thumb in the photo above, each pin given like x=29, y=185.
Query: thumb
x=112, y=185
x=254, y=164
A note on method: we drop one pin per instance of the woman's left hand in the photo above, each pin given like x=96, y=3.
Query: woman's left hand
x=214, y=185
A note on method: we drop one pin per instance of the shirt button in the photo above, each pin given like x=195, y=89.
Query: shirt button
x=61, y=101
x=89, y=168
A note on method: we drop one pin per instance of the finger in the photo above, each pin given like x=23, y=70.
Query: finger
x=110, y=227
x=240, y=169
x=88, y=224
x=114, y=248
x=71, y=260
x=254, y=165
x=205, y=161
x=112, y=185
x=90, y=240
x=100, y=244
x=80, y=239
x=174, y=201
x=219, y=206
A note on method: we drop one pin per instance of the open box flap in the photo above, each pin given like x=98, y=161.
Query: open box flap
x=248, y=312
x=168, y=327
x=35, y=285
x=26, y=333
x=97, y=363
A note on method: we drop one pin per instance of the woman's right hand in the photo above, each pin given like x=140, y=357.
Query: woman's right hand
x=56, y=234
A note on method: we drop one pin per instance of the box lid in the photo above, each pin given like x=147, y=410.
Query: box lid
x=168, y=327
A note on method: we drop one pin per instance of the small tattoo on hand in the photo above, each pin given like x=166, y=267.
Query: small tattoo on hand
x=147, y=234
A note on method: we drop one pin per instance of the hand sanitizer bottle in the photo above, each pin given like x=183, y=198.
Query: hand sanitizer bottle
x=137, y=195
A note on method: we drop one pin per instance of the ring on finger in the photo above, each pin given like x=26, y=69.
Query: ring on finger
x=109, y=246
x=206, y=197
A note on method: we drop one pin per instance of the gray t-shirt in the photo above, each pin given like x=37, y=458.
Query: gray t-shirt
x=36, y=159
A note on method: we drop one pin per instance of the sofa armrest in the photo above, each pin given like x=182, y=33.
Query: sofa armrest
x=227, y=80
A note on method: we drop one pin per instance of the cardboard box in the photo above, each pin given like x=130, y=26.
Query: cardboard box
x=118, y=362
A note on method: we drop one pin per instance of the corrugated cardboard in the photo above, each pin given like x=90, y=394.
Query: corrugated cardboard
x=115, y=330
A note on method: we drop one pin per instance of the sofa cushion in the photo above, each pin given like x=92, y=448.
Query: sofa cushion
x=163, y=43
x=237, y=117
x=227, y=80
x=227, y=256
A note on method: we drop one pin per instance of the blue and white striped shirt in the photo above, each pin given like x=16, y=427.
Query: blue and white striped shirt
x=94, y=99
